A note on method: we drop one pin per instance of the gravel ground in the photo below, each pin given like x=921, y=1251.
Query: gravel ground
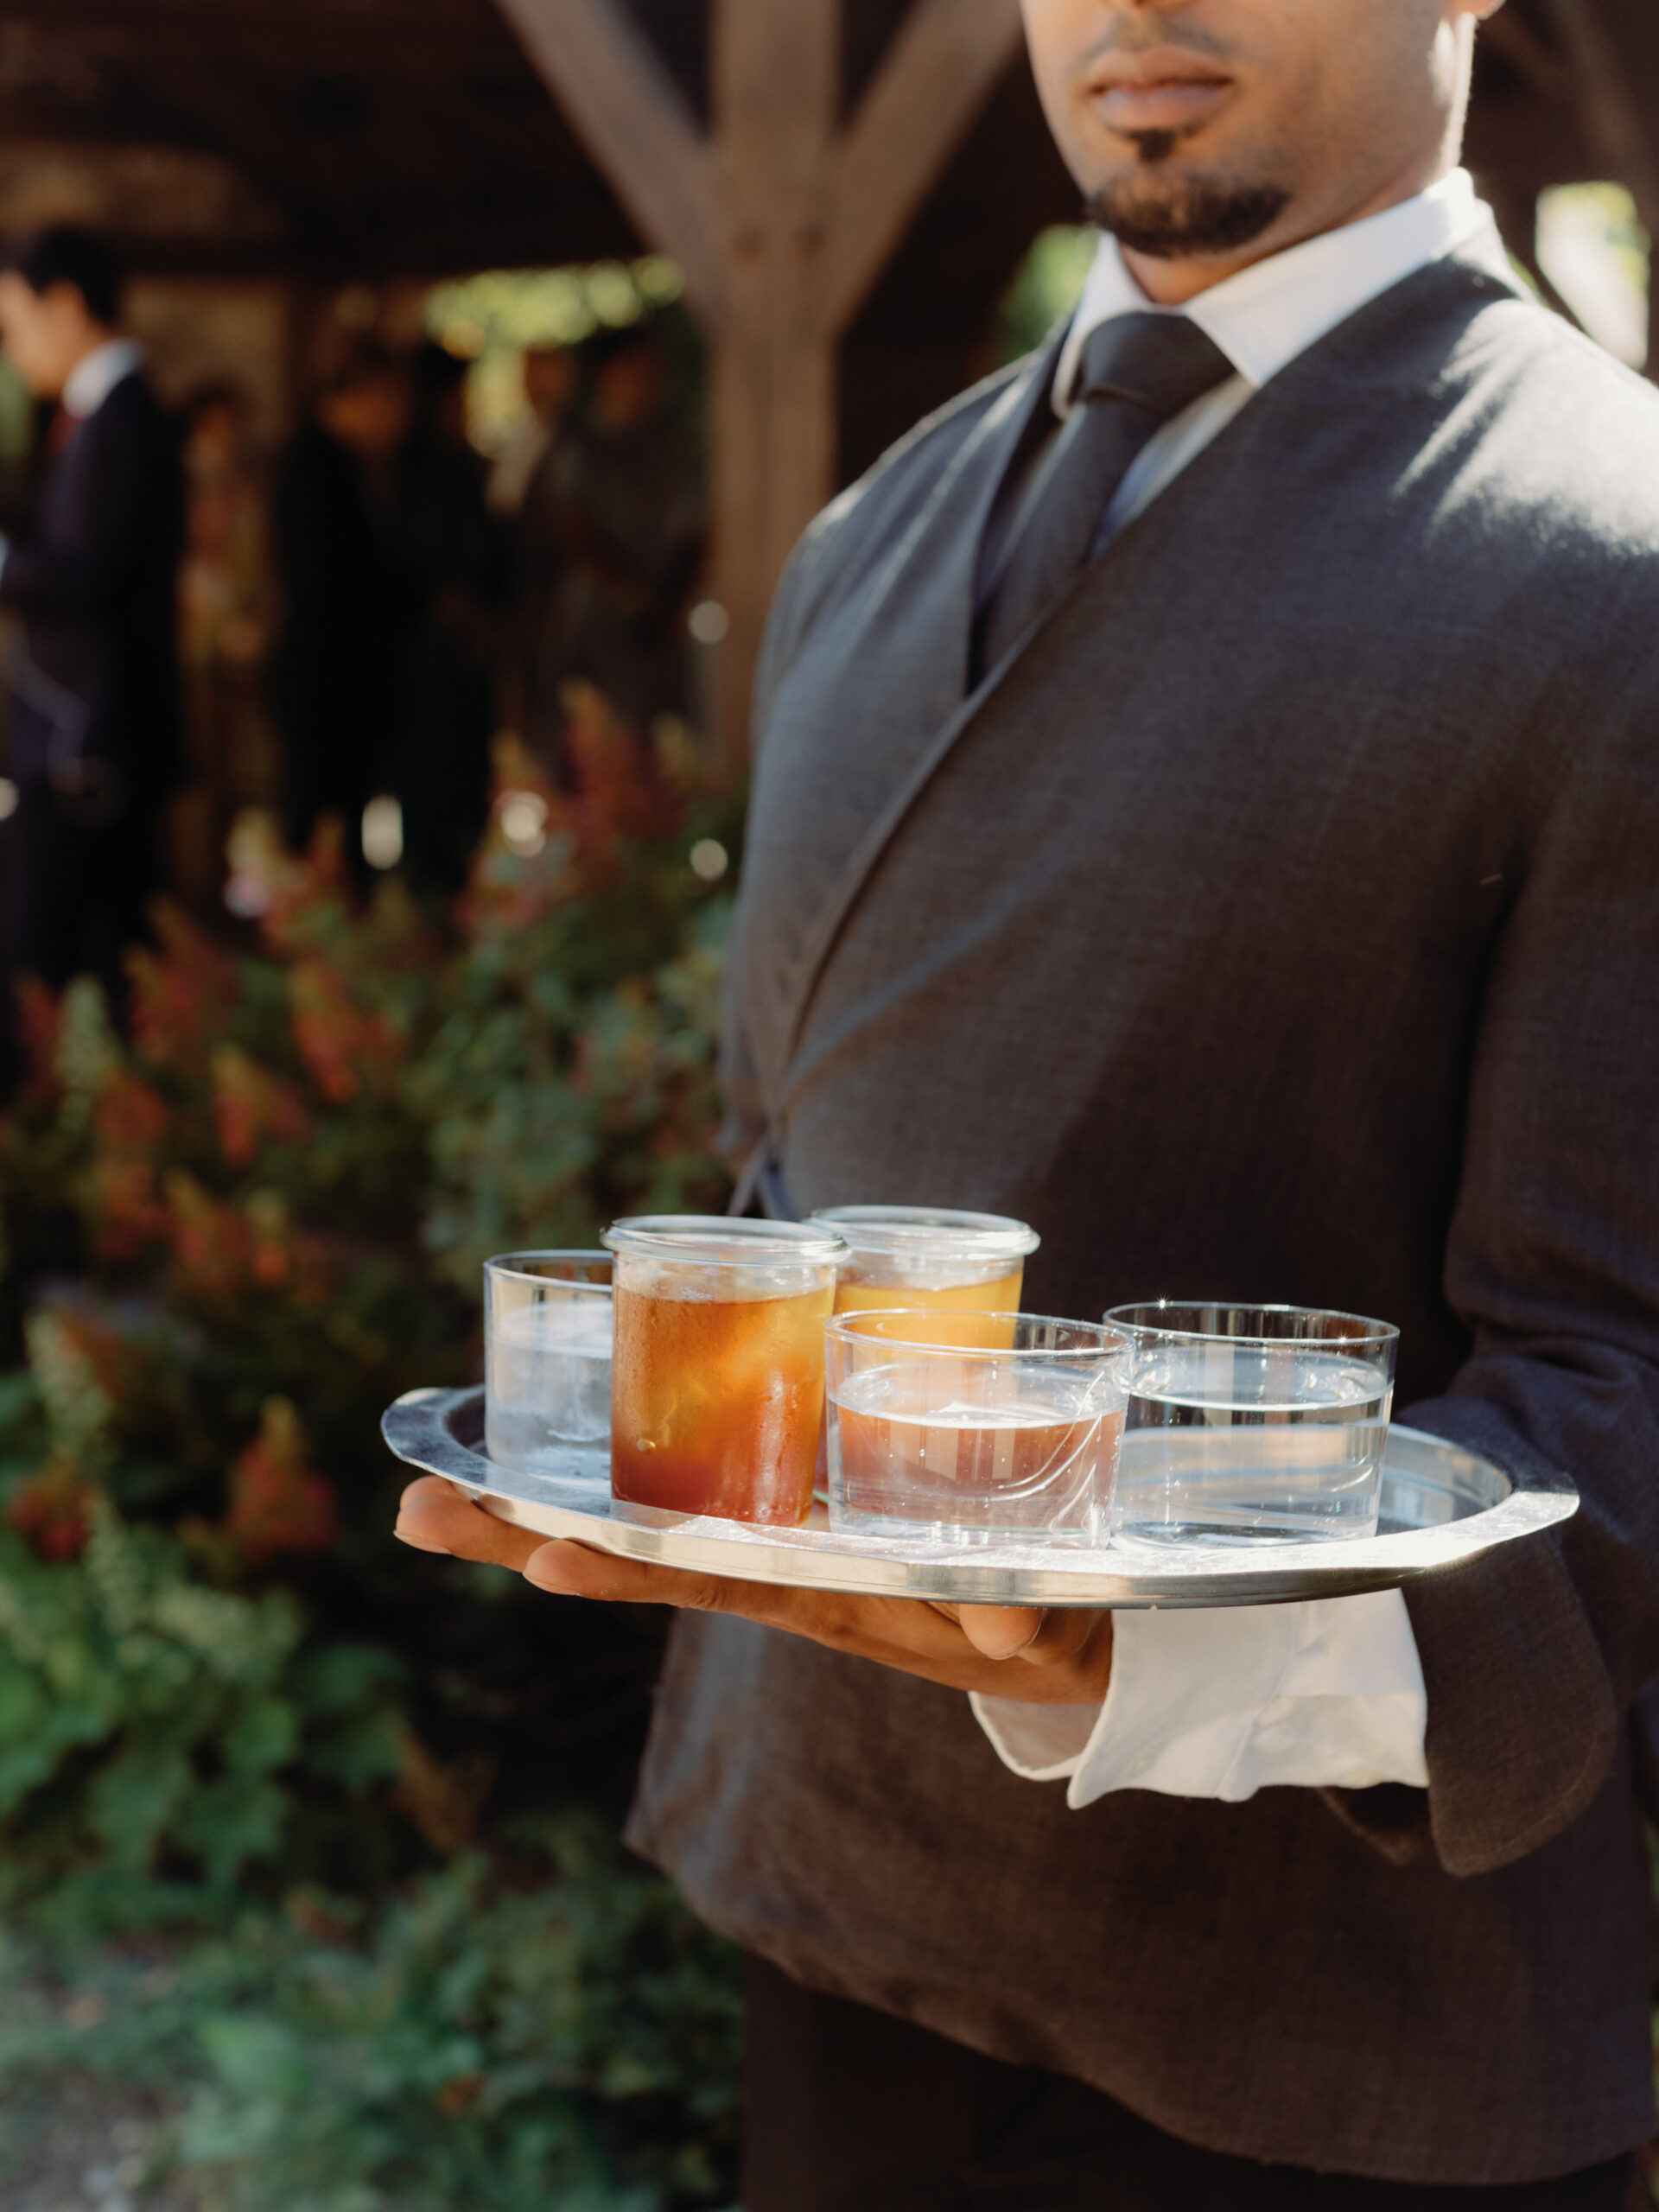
x=79, y=2146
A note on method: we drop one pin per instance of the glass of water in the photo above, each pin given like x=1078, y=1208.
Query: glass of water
x=1249, y=1423
x=546, y=1362
x=945, y=1425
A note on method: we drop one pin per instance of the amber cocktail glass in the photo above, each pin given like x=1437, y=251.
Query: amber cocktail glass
x=717, y=1378
x=931, y=1258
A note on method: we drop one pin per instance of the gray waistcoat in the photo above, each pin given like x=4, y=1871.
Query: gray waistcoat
x=1279, y=921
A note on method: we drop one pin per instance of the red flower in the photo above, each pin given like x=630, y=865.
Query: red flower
x=345, y=1049
x=212, y=1245
x=54, y=1510
x=253, y=1106
x=39, y=1019
x=183, y=995
x=279, y=1503
x=131, y=1123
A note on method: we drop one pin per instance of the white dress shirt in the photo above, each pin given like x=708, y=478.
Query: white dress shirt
x=95, y=376
x=1329, y=1694
x=89, y=383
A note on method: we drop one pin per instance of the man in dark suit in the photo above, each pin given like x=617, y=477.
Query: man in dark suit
x=351, y=593
x=1206, y=805
x=93, y=676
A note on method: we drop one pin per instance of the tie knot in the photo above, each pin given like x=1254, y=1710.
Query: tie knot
x=1158, y=362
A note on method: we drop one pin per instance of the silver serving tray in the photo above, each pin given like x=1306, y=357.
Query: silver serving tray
x=1440, y=1506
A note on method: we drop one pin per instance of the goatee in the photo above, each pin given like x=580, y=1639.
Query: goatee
x=1176, y=218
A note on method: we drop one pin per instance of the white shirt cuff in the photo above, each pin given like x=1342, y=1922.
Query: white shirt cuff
x=1326, y=1694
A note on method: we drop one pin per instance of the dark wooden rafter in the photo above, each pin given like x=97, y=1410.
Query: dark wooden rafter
x=847, y=182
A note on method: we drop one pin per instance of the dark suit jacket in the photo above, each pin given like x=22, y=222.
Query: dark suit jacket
x=95, y=680
x=354, y=599
x=1280, y=920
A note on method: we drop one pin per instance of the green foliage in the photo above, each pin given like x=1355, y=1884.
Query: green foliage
x=570, y=2039
x=1046, y=285
x=275, y=1199
x=147, y=1719
x=231, y=1708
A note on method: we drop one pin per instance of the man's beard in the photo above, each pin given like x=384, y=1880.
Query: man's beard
x=1183, y=219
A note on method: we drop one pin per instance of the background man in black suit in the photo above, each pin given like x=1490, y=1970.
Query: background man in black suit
x=94, y=678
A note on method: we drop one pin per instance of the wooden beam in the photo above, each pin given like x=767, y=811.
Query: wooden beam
x=944, y=64
x=1538, y=65
x=1613, y=120
x=628, y=112
x=782, y=220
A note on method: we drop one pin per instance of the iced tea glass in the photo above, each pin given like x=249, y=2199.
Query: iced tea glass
x=1253, y=1423
x=952, y=1439
x=717, y=1388
x=929, y=1259
x=546, y=1362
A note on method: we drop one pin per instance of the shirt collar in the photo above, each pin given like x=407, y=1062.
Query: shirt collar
x=95, y=376
x=1267, y=314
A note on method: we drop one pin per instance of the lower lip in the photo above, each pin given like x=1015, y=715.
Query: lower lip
x=1128, y=108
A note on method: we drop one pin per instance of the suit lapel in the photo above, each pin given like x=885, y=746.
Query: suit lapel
x=922, y=762
x=894, y=658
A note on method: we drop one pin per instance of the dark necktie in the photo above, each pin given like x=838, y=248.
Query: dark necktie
x=1137, y=373
x=61, y=434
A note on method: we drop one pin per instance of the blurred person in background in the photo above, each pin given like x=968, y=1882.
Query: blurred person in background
x=460, y=558
x=93, y=675
x=351, y=598
x=549, y=374
x=622, y=506
x=226, y=610
x=520, y=492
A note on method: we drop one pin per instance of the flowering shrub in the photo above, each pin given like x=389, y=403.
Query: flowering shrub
x=231, y=1240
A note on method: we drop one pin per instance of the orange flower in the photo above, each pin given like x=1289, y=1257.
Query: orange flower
x=131, y=1123
x=131, y=1116
x=183, y=995
x=279, y=1503
x=212, y=1245
x=345, y=1049
x=282, y=1256
x=39, y=1018
x=253, y=1106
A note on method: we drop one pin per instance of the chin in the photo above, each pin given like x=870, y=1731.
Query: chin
x=1174, y=213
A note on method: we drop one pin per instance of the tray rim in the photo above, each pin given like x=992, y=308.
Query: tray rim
x=1128, y=1575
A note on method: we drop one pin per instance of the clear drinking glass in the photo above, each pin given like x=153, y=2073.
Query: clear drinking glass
x=717, y=1392
x=970, y=1442
x=1253, y=1422
x=929, y=1257
x=547, y=1362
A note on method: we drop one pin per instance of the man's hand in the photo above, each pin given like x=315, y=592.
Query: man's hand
x=1039, y=1657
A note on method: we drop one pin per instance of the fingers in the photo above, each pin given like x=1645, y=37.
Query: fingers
x=1059, y=1656
x=578, y=1570
x=435, y=1516
x=1072, y=1640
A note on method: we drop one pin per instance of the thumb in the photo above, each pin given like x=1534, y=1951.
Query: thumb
x=1002, y=1631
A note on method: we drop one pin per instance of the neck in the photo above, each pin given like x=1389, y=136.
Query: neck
x=1170, y=283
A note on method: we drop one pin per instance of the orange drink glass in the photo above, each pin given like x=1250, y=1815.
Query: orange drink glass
x=717, y=1373
x=935, y=1432
x=928, y=1258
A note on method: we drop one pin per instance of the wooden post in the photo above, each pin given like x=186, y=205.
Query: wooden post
x=776, y=84
x=1621, y=137
x=782, y=220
